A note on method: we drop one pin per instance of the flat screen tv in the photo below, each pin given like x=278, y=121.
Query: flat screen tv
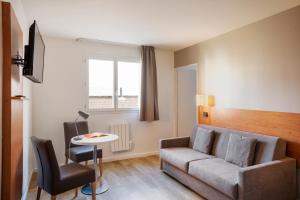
x=34, y=55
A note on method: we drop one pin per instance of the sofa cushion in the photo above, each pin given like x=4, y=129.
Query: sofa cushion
x=181, y=156
x=268, y=148
x=193, y=136
x=240, y=150
x=204, y=140
x=217, y=173
x=221, y=138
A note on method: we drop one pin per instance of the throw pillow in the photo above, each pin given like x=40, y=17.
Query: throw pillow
x=203, y=140
x=240, y=150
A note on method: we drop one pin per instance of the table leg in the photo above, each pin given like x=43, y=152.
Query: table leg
x=103, y=185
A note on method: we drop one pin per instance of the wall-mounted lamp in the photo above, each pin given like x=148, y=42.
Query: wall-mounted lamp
x=204, y=101
x=200, y=100
x=211, y=100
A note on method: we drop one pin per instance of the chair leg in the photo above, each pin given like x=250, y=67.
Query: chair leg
x=53, y=197
x=94, y=190
x=76, y=192
x=100, y=166
x=38, y=195
x=67, y=160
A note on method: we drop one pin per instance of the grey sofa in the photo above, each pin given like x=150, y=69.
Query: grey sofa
x=271, y=177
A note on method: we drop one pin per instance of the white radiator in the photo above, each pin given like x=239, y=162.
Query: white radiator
x=121, y=130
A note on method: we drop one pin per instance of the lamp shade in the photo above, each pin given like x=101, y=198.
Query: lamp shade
x=84, y=115
x=205, y=100
x=200, y=100
x=211, y=100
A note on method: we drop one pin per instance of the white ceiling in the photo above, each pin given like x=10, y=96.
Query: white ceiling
x=171, y=24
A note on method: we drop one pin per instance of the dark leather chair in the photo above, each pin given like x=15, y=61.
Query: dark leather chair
x=55, y=179
x=78, y=153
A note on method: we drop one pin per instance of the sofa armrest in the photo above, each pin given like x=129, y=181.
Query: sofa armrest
x=174, y=142
x=271, y=180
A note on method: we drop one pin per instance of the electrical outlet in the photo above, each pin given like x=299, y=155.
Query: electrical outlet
x=205, y=114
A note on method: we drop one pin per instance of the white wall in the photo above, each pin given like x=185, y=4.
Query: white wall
x=186, y=100
x=63, y=93
x=1, y=77
x=27, y=120
x=28, y=157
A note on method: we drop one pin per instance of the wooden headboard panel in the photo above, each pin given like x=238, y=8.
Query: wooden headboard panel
x=281, y=124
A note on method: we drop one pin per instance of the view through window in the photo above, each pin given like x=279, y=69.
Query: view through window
x=114, y=84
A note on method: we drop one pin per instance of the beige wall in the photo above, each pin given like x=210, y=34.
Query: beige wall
x=255, y=67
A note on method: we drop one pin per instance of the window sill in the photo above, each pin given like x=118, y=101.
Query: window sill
x=113, y=111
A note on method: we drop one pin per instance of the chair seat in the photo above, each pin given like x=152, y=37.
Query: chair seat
x=74, y=175
x=83, y=153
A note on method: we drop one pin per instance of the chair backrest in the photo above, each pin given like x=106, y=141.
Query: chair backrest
x=48, y=169
x=70, y=131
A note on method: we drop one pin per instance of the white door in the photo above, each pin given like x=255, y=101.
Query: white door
x=186, y=100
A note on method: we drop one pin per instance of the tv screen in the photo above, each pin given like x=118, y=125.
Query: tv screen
x=34, y=55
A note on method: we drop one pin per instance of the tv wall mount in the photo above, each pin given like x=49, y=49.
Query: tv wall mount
x=18, y=60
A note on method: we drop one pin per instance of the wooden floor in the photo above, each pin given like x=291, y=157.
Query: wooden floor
x=134, y=179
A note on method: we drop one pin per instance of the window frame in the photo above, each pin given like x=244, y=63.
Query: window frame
x=115, y=60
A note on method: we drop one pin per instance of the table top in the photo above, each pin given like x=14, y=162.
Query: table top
x=95, y=140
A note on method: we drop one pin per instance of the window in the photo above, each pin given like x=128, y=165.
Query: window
x=129, y=81
x=101, y=84
x=114, y=84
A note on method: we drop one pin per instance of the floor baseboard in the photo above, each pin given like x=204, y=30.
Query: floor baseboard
x=120, y=157
x=129, y=156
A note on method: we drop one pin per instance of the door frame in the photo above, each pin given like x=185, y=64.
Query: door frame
x=193, y=66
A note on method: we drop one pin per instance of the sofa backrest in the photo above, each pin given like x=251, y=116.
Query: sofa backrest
x=268, y=148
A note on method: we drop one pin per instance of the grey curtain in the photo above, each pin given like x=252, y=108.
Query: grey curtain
x=149, y=102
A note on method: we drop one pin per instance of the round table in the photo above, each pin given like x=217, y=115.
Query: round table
x=94, y=141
